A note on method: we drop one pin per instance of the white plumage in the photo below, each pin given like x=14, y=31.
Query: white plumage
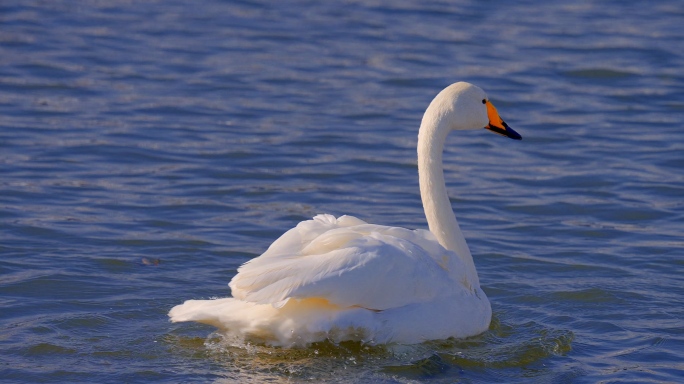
x=344, y=279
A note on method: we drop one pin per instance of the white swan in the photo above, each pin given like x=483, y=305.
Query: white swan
x=344, y=279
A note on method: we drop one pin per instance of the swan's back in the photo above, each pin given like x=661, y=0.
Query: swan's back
x=350, y=263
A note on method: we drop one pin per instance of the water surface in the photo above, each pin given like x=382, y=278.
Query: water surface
x=148, y=149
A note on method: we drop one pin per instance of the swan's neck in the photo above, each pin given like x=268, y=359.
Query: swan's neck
x=440, y=217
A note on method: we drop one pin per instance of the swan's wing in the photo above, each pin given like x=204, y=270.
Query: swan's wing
x=348, y=263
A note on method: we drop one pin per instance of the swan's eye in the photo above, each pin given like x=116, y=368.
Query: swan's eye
x=484, y=101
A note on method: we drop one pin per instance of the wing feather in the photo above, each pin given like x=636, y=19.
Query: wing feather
x=348, y=263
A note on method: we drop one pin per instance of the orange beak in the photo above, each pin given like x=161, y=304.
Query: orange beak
x=497, y=125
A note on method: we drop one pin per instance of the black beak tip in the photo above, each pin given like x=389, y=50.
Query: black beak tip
x=513, y=134
x=506, y=131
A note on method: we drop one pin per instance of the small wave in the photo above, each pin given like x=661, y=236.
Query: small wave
x=502, y=347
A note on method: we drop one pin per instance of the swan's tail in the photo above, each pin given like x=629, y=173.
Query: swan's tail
x=226, y=314
x=297, y=323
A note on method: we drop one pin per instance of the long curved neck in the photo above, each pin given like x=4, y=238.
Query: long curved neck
x=440, y=217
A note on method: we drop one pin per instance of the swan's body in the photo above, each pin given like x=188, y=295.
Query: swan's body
x=344, y=279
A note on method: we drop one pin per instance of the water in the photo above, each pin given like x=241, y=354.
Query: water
x=147, y=149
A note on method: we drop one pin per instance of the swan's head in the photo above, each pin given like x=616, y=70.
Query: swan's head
x=466, y=106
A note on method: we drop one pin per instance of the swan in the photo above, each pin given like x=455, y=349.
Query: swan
x=343, y=279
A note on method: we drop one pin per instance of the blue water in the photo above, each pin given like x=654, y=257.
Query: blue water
x=149, y=148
